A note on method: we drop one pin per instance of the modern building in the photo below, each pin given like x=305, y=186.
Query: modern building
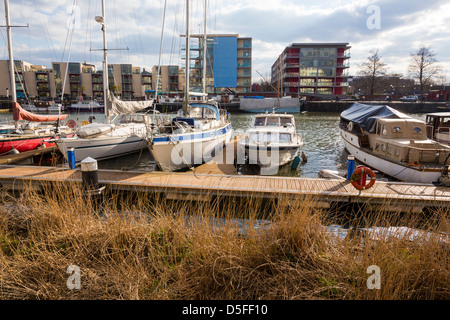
x=168, y=80
x=74, y=79
x=314, y=69
x=228, y=63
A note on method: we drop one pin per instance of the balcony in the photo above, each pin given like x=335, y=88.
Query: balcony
x=291, y=65
x=291, y=55
x=291, y=74
x=345, y=55
x=343, y=65
x=291, y=84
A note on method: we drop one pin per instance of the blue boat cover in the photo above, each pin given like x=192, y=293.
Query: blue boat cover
x=365, y=115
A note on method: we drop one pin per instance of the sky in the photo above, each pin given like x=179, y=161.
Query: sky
x=396, y=28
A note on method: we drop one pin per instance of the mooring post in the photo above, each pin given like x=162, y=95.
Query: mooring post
x=89, y=174
x=351, y=166
x=71, y=158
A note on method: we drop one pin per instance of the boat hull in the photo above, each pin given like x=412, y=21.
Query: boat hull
x=270, y=156
x=393, y=169
x=186, y=150
x=101, y=148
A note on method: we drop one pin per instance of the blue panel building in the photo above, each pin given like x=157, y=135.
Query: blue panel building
x=228, y=63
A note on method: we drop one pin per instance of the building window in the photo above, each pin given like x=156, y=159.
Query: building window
x=308, y=72
x=324, y=90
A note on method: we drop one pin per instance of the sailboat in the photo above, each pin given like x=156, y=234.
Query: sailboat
x=197, y=133
x=124, y=134
x=36, y=131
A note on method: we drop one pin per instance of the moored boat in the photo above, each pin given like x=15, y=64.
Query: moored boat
x=393, y=143
x=273, y=140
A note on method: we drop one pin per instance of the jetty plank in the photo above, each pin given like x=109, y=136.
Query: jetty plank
x=323, y=190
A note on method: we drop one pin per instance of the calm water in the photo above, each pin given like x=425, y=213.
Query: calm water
x=322, y=144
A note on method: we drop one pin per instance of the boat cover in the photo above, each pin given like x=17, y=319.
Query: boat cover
x=365, y=115
x=22, y=114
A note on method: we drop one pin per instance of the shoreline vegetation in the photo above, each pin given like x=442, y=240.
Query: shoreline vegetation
x=140, y=246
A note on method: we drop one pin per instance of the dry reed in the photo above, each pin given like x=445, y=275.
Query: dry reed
x=141, y=246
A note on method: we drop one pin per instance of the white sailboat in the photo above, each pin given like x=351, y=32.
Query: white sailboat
x=124, y=134
x=199, y=131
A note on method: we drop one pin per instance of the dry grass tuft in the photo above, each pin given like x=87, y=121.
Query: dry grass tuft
x=136, y=246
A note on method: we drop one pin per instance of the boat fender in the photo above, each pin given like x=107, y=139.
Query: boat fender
x=358, y=178
x=414, y=163
x=350, y=126
x=295, y=162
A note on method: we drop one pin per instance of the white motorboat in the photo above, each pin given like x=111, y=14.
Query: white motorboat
x=86, y=106
x=199, y=131
x=124, y=134
x=273, y=140
x=393, y=143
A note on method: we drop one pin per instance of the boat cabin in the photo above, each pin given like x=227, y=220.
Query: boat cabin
x=438, y=126
x=405, y=141
x=401, y=129
x=284, y=120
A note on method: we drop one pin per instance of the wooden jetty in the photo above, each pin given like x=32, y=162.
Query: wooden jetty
x=28, y=156
x=200, y=186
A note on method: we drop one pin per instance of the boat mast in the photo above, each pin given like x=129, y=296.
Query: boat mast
x=187, y=71
x=12, y=78
x=102, y=21
x=205, y=41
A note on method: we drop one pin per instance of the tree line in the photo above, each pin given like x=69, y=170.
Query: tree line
x=423, y=72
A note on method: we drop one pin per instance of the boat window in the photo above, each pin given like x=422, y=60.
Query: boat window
x=285, y=121
x=260, y=121
x=396, y=129
x=285, y=137
x=273, y=121
x=195, y=112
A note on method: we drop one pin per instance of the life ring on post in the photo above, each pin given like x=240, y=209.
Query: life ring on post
x=359, y=178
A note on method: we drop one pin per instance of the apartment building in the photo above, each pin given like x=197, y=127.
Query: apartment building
x=74, y=79
x=228, y=63
x=316, y=69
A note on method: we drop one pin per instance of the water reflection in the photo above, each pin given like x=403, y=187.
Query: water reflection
x=320, y=133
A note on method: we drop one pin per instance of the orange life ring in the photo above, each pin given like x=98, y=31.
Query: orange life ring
x=358, y=178
x=414, y=163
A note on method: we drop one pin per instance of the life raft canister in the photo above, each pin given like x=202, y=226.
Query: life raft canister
x=359, y=178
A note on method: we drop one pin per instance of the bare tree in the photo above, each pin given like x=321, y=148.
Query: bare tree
x=424, y=68
x=372, y=72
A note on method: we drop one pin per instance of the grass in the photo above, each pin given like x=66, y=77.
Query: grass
x=137, y=246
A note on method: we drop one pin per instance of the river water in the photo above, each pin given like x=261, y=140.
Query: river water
x=322, y=144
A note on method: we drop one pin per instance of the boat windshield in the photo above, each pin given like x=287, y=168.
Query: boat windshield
x=285, y=120
x=272, y=137
x=205, y=113
x=260, y=121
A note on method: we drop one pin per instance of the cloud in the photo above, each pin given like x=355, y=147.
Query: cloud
x=272, y=24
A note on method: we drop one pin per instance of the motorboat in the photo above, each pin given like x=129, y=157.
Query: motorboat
x=272, y=141
x=393, y=143
x=86, y=106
